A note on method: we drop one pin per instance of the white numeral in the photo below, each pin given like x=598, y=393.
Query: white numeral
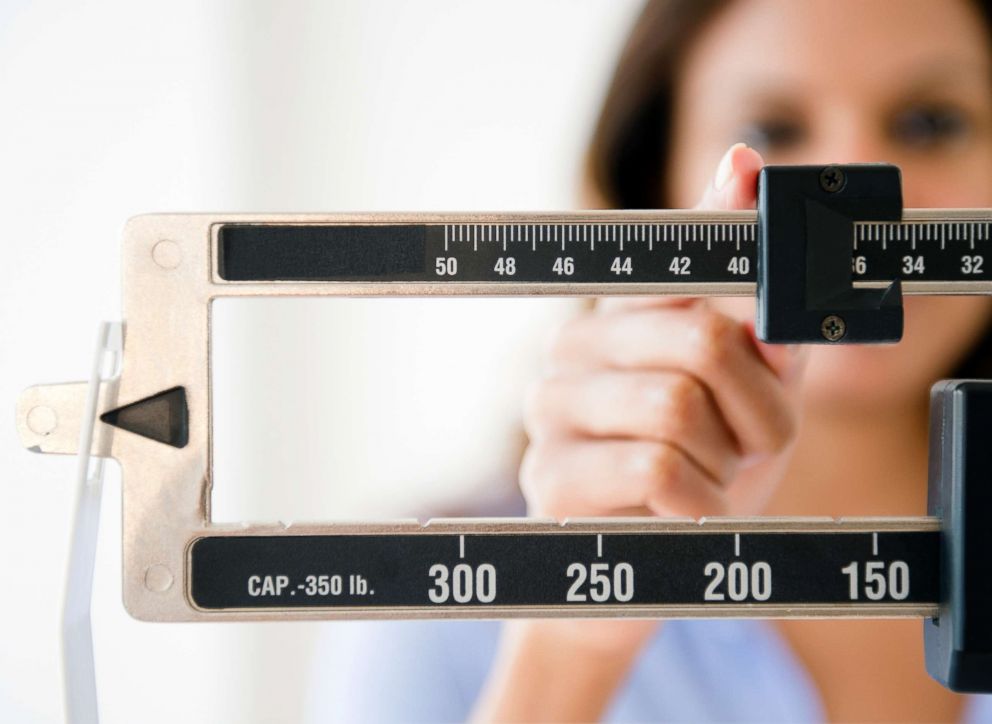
x=446, y=266
x=912, y=265
x=506, y=265
x=742, y=581
x=463, y=583
x=563, y=266
x=322, y=585
x=739, y=265
x=680, y=266
x=601, y=587
x=622, y=266
x=972, y=264
x=876, y=584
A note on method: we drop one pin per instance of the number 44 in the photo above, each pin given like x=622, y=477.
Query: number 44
x=622, y=266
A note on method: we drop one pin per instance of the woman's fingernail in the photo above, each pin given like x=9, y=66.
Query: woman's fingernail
x=725, y=171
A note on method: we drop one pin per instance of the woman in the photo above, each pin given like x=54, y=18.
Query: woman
x=661, y=406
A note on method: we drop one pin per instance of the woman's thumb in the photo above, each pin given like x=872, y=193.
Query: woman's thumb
x=735, y=183
x=734, y=187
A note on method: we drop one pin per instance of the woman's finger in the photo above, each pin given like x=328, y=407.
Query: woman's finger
x=735, y=184
x=613, y=304
x=562, y=478
x=661, y=406
x=714, y=348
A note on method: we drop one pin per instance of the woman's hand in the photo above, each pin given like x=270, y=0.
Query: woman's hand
x=652, y=406
x=660, y=406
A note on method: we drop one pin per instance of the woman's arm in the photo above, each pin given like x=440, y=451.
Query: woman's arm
x=540, y=675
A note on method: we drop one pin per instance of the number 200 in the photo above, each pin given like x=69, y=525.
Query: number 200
x=742, y=581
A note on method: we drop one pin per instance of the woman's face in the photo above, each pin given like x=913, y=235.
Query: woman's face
x=907, y=82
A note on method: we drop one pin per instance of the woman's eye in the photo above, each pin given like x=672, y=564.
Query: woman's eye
x=924, y=127
x=771, y=135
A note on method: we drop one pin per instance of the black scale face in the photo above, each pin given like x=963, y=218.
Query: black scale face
x=571, y=570
x=549, y=253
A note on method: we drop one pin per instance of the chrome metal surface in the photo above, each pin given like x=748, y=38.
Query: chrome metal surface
x=169, y=281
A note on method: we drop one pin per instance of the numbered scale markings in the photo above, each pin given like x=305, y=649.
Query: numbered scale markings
x=668, y=248
x=683, y=573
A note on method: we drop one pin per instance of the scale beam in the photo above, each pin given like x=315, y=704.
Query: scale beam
x=659, y=252
x=757, y=567
x=827, y=262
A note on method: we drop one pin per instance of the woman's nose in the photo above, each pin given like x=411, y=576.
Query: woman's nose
x=849, y=136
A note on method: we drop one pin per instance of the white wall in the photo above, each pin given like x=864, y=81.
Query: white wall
x=112, y=109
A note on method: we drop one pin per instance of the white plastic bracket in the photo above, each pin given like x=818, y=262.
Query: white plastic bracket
x=79, y=669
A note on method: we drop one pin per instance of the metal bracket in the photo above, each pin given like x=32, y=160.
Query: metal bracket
x=959, y=641
x=806, y=218
x=50, y=417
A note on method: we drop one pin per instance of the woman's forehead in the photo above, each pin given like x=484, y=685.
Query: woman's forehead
x=824, y=45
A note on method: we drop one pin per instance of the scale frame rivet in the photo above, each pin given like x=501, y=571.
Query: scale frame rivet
x=833, y=328
x=832, y=179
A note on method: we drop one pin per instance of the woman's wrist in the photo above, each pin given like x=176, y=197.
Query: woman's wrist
x=545, y=670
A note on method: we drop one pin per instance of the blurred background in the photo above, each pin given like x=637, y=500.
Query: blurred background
x=113, y=109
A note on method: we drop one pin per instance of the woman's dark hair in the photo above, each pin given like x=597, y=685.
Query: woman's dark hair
x=629, y=148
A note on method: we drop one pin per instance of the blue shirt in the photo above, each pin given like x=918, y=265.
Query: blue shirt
x=691, y=670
